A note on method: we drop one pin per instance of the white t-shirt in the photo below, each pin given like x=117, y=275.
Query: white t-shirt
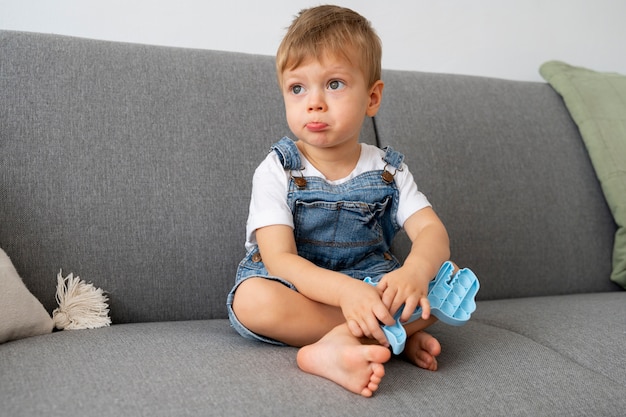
x=268, y=204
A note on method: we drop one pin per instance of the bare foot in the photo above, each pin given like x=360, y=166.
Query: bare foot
x=342, y=358
x=422, y=350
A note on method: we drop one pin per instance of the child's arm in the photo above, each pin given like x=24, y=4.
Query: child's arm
x=360, y=303
x=430, y=249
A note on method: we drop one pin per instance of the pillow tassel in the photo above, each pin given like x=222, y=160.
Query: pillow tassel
x=81, y=305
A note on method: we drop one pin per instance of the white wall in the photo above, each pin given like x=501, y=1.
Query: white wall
x=501, y=38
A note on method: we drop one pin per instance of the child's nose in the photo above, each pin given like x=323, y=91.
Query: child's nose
x=317, y=101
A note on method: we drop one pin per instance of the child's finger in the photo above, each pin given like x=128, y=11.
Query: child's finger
x=388, y=297
x=425, y=304
x=378, y=334
x=355, y=328
x=383, y=315
x=382, y=286
x=411, y=304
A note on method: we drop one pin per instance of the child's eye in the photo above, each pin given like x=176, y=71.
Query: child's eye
x=336, y=85
x=296, y=89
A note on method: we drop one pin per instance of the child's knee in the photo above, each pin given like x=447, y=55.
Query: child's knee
x=253, y=296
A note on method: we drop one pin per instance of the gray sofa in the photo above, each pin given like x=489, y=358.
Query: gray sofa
x=130, y=166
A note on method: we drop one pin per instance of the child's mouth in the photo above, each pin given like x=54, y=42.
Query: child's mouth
x=316, y=126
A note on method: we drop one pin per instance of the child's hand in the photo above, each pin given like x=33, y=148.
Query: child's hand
x=401, y=287
x=364, y=311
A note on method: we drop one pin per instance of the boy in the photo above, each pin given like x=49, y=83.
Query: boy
x=323, y=213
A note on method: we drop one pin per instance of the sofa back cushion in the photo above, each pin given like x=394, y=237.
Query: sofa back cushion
x=505, y=168
x=131, y=166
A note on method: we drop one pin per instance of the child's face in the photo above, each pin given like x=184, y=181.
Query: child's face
x=327, y=100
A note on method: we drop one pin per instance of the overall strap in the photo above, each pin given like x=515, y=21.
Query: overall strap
x=288, y=154
x=289, y=157
x=393, y=159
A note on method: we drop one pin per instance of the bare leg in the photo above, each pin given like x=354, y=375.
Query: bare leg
x=421, y=348
x=330, y=350
x=343, y=359
x=273, y=310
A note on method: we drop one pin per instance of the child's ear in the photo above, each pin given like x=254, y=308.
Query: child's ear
x=375, y=98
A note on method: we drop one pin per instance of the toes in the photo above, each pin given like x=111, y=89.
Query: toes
x=378, y=371
x=371, y=387
x=433, y=347
x=377, y=356
x=423, y=351
x=425, y=360
x=375, y=380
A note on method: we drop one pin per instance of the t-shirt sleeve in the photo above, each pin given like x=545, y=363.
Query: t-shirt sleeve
x=268, y=203
x=411, y=199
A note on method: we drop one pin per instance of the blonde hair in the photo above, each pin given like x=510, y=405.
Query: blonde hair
x=331, y=30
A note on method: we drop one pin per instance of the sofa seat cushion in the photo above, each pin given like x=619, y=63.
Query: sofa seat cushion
x=205, y=368
x=587, y=329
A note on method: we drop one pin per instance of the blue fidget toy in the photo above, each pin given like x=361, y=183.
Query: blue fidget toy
x=451, y=300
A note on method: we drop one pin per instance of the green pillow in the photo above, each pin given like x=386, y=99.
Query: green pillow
x=597, y=103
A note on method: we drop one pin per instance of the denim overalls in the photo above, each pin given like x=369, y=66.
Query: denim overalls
x=345, y=227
